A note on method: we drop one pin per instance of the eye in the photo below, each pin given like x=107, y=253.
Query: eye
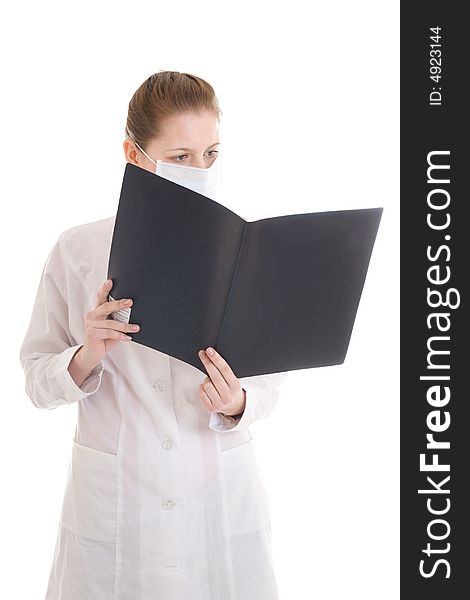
x=213, y=153
x=179, y=156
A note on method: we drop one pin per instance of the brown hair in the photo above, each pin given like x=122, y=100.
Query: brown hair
x=165, y=93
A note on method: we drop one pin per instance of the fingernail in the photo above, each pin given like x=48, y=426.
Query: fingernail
x=210, y=351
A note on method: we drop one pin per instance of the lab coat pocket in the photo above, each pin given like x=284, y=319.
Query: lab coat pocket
x=247, y=500
x=90, y=500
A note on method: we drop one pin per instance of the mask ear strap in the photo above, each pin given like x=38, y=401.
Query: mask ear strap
x=145, y=153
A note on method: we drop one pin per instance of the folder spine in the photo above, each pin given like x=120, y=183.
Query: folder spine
x=227, y=304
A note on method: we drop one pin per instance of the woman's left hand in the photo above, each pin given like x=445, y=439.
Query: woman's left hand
x=221, y=391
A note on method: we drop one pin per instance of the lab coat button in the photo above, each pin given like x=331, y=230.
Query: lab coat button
x=167, y=444
x=160, y=386
x=168, y=504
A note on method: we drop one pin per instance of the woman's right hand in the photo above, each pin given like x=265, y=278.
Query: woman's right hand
x=101, y=333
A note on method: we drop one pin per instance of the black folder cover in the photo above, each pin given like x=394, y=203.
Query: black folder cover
x=270, y=295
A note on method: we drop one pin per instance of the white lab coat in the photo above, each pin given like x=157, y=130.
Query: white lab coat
x=163, y=500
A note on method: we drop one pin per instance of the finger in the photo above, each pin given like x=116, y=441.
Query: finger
x=102, y=333
x=211, y=392
x=102, y=295
x=214, y=373
x=103, y=311
x=222, y=367
x=205, y=399
x=111, y=324
x=110, y=306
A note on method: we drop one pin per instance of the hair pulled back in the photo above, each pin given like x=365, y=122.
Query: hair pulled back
x=162, y=94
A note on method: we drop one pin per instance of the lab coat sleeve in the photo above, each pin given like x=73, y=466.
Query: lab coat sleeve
x=48, y=346
x=262, y=396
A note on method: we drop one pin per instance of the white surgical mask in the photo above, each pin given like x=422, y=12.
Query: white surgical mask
x=203, y=181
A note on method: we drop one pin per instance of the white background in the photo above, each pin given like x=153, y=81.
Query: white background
x=310, y=96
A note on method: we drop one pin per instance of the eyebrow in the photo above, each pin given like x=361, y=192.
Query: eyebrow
x=189, y=149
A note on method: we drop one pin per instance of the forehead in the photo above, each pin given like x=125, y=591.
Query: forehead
x=189, y=129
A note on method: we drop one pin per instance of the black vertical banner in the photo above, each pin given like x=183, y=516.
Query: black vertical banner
x=435, y=348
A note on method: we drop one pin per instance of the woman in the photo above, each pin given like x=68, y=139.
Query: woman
x=163, y=498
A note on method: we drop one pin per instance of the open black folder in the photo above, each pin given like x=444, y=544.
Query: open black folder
x=270, y=295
